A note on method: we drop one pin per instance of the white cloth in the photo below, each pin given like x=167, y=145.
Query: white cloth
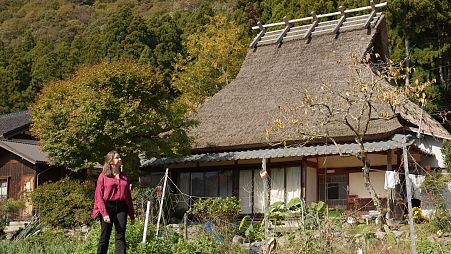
x=417, y=181
x=391, y=179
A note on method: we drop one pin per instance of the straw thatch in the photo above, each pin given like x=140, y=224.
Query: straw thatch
x=278, y=75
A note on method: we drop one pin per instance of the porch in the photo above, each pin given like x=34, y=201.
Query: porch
x=319, y=173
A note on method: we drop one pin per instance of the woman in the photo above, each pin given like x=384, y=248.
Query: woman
x=112, y=203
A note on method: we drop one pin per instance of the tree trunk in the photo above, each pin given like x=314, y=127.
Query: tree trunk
x=406, y=44
x=369, y=187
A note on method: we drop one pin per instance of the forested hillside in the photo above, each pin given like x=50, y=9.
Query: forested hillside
x=197, y=45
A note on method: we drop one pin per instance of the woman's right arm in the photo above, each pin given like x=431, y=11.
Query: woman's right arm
x=98, y=196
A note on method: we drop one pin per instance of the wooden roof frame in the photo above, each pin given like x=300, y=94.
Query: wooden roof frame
x=290, y=31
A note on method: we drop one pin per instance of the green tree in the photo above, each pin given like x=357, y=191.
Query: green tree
x=119, y=105
x=214, y=57
x=419, y=35
x=126, y=35
x=51, y=61
x=168, y=43
x=15, y=79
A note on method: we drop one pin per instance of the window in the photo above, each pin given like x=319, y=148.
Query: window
x=333, y=189
x=3, y=189
x=206, y=184
x=211, y=184
x=225, y=183
x=197, y=184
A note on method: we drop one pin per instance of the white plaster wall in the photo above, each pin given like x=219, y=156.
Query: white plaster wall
x=357, y=187
x=434, y=146
x=311, y=182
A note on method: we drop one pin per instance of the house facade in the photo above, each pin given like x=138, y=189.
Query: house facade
x=230, y=148
x=23, y=164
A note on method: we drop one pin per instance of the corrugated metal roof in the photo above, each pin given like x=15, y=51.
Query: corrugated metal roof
x=28, y=150
x=326, y=149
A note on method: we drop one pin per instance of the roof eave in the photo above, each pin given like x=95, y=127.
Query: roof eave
x=18, y=153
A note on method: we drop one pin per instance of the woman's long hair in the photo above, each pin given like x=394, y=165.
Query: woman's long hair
x=108, y=170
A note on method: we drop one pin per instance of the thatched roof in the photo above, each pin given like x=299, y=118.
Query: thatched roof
x=276, y=75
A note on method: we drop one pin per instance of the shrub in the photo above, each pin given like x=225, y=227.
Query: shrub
x=204, y=244
x=446, y=150
x=172, y=243
x=216, y=210
x=435, y=185
x=8, y=208
x=66, y=203
x=90, y=244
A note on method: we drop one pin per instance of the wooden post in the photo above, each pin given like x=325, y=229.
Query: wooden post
x=161, y=201
x=372, y=15
x=341, y=21
x=285, y=30
x=151, y=213
x=185, y=224
x=389, y=191
x=259, y=36
x=409, y=198
x=312, y=26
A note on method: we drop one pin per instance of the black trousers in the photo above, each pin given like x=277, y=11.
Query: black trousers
x=117, y=210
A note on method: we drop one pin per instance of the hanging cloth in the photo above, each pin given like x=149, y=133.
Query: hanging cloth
x=391, y=179
x=417, y=181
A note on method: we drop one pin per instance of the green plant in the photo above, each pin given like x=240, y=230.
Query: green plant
x=10, y=207
x=66, y=203
x=133, y=236
x=428, y=247
x=435, y=184
x=140, y=196
x=314, y=213
x=46, y=241
x=219, y=211
x=252, y=231
x=203, y=244
x=446, y=150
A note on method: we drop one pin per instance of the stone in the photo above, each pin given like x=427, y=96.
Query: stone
x=397, y=234
x=237, y=239
x=380, y=235
x=255, y=248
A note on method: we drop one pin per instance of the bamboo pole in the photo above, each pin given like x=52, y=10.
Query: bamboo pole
x=146, y=222
x=161, y=201
x=264, y=176
x=409, y=198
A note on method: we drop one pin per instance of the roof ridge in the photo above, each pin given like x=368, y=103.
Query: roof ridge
x=290, y=31
x=25, y=111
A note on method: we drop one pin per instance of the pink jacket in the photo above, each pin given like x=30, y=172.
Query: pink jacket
x=112, y=189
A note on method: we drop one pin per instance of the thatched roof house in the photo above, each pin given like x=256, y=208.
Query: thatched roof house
x=280, y=67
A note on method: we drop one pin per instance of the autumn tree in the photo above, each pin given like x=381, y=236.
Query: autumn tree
x=119, y=105
x=214, y=56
